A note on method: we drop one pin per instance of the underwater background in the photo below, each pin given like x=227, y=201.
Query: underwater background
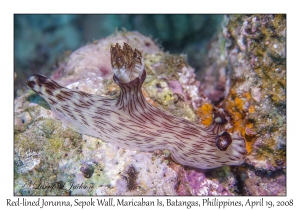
x=42, y=39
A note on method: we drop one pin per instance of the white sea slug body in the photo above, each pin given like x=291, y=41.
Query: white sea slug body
x=132, y=123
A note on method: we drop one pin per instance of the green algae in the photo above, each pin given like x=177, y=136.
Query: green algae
x=164, y=64
x=100, y=178
x=161, y=68
x=43, y=143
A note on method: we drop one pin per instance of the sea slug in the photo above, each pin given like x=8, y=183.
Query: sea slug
x=132, y=123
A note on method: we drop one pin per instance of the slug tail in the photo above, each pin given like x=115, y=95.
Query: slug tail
x=74, y=108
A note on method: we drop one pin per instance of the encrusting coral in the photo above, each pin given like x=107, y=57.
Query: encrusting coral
x=248, y=62
x=257, y=97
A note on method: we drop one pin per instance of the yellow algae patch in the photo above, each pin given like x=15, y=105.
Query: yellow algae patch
x=247, y=95
x=112, y=87
x=239, y=121
x=235, y=106
x=249, y=136
x=251, y=109
x=239, y=103
x=205, y=113
x=54, y=144
x=249, y=146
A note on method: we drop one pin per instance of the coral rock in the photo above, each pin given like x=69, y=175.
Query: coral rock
x=82, y=165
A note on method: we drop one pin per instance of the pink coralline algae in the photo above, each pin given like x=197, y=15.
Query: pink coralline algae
x=192, y=182
x=200, y=185
x=176, y=87
x=261, y=182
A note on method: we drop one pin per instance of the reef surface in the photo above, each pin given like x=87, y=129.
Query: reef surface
x=246, y=75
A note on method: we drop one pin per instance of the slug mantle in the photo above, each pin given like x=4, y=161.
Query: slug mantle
x=132, y=123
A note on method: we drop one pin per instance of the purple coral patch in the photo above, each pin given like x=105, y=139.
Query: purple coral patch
x=200, y=185
x=176, y=87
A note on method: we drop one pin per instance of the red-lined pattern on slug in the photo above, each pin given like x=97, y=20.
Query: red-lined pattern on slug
x=131, y=122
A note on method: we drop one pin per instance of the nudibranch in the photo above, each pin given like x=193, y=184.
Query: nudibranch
x=132, y=123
